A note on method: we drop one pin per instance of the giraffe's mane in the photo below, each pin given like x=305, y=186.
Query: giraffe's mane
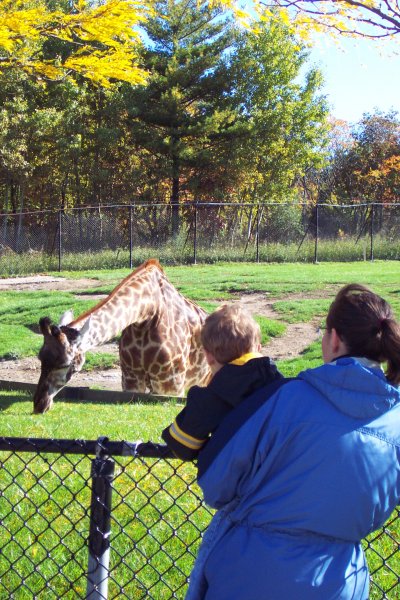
x=153, y=262
x=147, y=265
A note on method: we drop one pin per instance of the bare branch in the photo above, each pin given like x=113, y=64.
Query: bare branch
x=348, y=17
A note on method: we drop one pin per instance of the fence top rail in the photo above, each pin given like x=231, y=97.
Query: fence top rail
x=100, y=448
x=194, y=204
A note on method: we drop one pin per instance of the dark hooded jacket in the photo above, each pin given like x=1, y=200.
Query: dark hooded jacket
x=207, y=406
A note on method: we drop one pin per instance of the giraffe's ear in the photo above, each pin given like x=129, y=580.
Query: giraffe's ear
x=83, y=339
x=66, y=318
x=44, y=325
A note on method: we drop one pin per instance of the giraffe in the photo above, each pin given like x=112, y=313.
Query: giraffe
x=160, y=348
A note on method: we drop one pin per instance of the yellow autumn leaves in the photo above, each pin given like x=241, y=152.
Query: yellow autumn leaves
x=103, y=37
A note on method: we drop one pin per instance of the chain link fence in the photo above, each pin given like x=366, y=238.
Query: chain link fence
x=124, y=524
x=124, y=236
x=101, y=519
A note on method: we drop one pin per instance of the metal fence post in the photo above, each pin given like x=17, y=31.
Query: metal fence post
x=100, y=524
x=316, y=235
x=130, y=237
x=258, y=234
x=195, y=235
x=59, y=239
x=371, y=233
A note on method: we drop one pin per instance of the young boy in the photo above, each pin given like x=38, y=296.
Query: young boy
x=232, y=342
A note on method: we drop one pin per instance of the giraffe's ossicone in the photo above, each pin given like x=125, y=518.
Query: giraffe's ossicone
x=160, y=347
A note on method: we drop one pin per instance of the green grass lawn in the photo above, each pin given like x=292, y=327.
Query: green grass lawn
x=206, y=284
x=157, y=513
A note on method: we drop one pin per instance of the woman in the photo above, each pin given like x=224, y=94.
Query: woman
x=303, y=470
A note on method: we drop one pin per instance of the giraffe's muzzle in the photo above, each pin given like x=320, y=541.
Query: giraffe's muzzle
x=48, y=386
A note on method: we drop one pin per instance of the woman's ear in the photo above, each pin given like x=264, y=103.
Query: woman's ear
x=338, y=346
x=332, y=345
x=335, y=340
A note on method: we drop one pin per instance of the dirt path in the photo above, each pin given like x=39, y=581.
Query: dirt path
x=297, y=336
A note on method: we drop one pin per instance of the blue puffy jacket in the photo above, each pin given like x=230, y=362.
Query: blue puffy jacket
x=300, y=473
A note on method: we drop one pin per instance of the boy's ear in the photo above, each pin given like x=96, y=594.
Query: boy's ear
x=209, y=357
x=214, y=365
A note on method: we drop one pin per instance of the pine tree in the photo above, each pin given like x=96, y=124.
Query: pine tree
x=180, y=114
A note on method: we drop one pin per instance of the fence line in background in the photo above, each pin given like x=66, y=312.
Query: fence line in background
x=199, y=232
x=134, y=536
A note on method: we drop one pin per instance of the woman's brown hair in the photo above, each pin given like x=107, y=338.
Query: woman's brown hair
x=366, y=324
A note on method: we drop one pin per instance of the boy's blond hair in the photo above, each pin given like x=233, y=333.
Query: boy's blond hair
x=230, y=332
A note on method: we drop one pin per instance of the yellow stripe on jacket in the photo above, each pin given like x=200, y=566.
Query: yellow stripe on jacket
x=185, y=439
x=188, y=440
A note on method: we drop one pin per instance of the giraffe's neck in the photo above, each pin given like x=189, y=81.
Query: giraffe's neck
x=135, y=302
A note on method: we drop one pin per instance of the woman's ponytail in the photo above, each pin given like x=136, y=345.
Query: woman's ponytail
x=390, y=348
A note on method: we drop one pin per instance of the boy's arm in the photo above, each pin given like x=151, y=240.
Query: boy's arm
x=183, y=445
x=189, y=432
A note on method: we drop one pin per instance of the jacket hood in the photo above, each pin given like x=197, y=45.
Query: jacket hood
x=233, y=383
x=355, y=386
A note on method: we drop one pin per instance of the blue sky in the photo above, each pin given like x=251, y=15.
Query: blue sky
x=359, y=76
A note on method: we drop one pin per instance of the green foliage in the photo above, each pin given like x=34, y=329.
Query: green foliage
x=207, y=306
x=18, y=341
x=345, y=250
x=365, y=164
x=180, y=115
x=287, y=130
x=100, y=360
x=221, y=116
x=51, y=304
x=59, y=487
x=19, y=317
x=119, y=420
x=20, y=311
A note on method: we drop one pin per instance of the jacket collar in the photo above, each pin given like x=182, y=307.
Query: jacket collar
x=242, y=360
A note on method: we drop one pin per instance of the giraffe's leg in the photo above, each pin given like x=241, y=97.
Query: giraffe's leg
x=133, y=380
x=170, y=382
x=131, y=383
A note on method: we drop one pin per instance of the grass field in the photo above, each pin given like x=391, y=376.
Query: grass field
x=206, y=284
x=143, y=496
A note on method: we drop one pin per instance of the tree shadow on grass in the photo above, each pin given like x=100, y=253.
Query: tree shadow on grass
x=9, y=398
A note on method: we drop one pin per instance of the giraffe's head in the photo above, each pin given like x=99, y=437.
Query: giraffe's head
x=62, y=355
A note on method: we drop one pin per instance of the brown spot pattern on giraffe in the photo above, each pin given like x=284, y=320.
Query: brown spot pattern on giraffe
x=160, y=349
